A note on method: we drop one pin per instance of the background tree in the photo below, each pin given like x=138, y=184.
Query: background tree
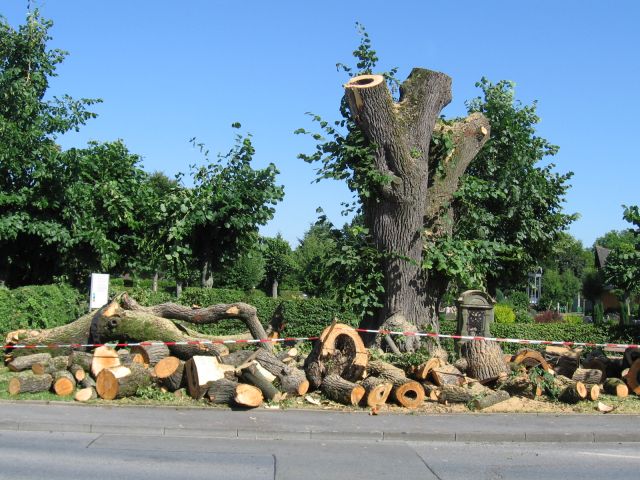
x=316, y=248
x=279, y=261
x=245, y=273
x=622, y=268
x=32, y=233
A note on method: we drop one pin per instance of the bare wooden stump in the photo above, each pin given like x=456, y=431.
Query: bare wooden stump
x=485, y=360
x=27, y=382
x=342, y=391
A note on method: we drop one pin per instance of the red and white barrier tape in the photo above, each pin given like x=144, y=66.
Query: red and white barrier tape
x=306, y=339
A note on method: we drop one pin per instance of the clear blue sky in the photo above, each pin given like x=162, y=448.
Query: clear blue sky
x=168, y=71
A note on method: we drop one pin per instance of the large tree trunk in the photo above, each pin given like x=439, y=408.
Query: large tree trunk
x=401, y=133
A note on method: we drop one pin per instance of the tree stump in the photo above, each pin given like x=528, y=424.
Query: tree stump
x=485, y=360
x=342, y=391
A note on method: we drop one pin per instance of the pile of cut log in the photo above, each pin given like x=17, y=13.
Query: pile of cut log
x=338, y=365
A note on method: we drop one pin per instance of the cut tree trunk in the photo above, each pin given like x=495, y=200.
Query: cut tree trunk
x=25, y=362
x=82, y=359
x=573, y=393
x=401, y=133
x=485, y=360
x=170, y=372
x=247, y=396
x=422, y=371
x=563, y=360
x=292, y=379
x=342, y=391
x=85, y=394
x=491, y=399
x=64, y=383
x=593, y=391
x=532, y=358
x=405, y=392
x=27, y=382
x=454, y=394
x=120, y=382
x=252, y=376
x=585, y=375
x=631, y=354
x=78, y=372
x=200, y=371
x=88, y=382
x=151, y=352
x=615, y=386
x=51, y=366
x=104, y=357
x=376, y=390
x=520, y=385
x=447, y=375
x=339, y=351
x=221, y=391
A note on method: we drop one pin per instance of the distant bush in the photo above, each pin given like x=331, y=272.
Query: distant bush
x=573, y=319
x=548, y=316
x=518, y=300
x=504, y=314
x=38, y=307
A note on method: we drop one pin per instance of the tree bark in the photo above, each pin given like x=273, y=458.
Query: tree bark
x=27, y=382
x=170, y=372
x=377, y=391
x=342, y=391
x=221, y=391
x=485, y=360
x=120, y=382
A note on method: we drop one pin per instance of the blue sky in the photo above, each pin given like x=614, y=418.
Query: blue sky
x=171, y=70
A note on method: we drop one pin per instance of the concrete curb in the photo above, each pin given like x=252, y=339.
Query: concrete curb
x=332, y=435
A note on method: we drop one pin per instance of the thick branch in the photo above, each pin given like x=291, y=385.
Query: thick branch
x=202, y=316
x=468, y=136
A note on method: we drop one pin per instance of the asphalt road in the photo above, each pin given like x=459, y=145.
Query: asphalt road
x=70, y=455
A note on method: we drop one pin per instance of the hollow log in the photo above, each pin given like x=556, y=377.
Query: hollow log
x=247, y=396
x=200, y=370
x=342, y=391
x=252, y=376
x=615, y=386
x=585, y=375
x=532, y=358
x=121, y=381
x=221, y=391
x=339, y=351
x=422, y=371
x=573, y=393
x=376, y=390
x=27, y=382
x=170, y=372
x=410, y=394
x=292, y=379
x=63, y=383
x=51, y=366
x=491, y=399
x=25, y=362
x=485, y=360
x=85, y=394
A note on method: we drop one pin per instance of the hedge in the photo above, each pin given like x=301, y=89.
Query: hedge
x=38, y=307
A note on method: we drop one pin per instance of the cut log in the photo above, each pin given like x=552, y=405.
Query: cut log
x=82, y=359
x=247, y=396
x=64, y=383
x=342, y=391
x=388, y=372
x=454, y=394
x=593, y=391
x=573, y=393
x=563, y=360
x=339, y=351
x=485, y=360
x=585, y=375
x=409, y=395
x=151, y=352
x=292, y=379
x=170, y=372
x=25, y=362
x=421, y=372
x=78, y=372
x=376, y=390
x=520, y=385
x=121, y=381
x=447, y=375
x=199, y=371
x=252, y=376
x=104, y=357
x=461, y=364
x=221, y=391
x=615, y=386
x=633, y=377
x=27, y=382
x=87, y=382
x=85, y=394
x=532, y=358
x=431, y=391
x=51, y=366
x=491, y=399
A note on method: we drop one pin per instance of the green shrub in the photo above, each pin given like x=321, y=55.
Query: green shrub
x=598, y=313
x=504, y=314
x=518, y=300
x=38, y=307
x=573, y=319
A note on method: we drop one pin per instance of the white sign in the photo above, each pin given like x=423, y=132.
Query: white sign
x=99, y=295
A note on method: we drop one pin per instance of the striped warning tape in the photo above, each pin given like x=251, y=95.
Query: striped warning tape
x=306, y=339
